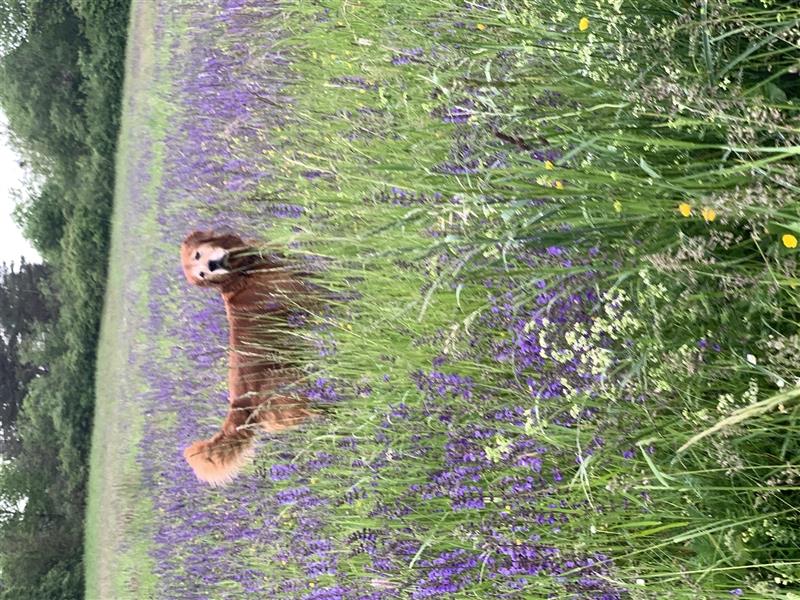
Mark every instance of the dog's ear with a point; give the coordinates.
(197, 237)
(228, 241)
(222, 239)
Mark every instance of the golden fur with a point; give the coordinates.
(255, 287)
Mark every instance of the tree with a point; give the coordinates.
(13, 24)
(26, 303)
(40, 85)
(39, 536)
(42, 220)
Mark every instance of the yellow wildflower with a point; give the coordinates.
(480, 26)
(583, 24)
(559, 185)
(618, 206)
(548, 165)
(709, 214)
(685, 209)
(789, 240)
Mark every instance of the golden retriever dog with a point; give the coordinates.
(259, 291)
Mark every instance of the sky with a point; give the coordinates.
(12, 244)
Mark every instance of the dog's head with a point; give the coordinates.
(211, 258)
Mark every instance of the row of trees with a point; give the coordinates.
(61, 69)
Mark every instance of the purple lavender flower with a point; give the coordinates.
(407, 56)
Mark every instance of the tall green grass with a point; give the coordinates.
(668, 140)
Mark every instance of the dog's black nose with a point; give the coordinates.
(213, 265)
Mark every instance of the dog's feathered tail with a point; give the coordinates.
(218, 460)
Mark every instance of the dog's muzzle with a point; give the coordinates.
(222, 263)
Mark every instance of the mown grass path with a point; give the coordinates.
(114, 476)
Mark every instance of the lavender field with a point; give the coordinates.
(559, 354)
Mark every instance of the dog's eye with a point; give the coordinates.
(197, 256)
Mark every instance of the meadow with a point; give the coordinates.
(559, 356)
